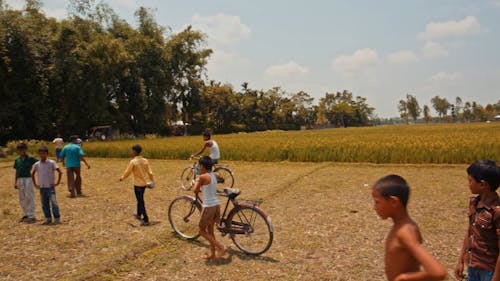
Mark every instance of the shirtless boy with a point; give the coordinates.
(404, 252)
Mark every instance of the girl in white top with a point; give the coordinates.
(207, 184)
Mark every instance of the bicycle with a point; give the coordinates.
(225, 177)
(248, 226)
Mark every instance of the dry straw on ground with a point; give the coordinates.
(325, 227)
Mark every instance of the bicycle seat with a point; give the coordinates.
(232, 192)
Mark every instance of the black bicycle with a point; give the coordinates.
(247, 225)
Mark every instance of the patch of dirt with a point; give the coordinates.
(324, 225)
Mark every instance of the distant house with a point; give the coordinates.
(497, 117)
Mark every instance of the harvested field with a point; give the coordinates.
(325, 226)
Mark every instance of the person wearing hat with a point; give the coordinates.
(72, 154)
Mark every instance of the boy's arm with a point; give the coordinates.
(496, 275)
(127, 171)
(202, 180)
(33, 177)
(85, 161)
(459, 268)
(433, 270)
(496, 220)
(58, 176)
(15, 178)
(201, 150)
(150, 172)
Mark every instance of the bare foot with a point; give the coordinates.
(222, 252)
(208, 257)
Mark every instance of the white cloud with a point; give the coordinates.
(357, 62)
(129, 4)
(445, 76)
(16, 4)
(224, 33)
(55, 13)
(495, 3)
(221, 59)
(403, 56)
(287, 70)
(222, 30)
(439, 30)
(433, 50)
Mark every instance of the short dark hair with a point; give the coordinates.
(393, 185)
(206, 162)
(207, 134)
(43, 149)
(22, 146)
(137, 148)
(73, 137)
(485, 170)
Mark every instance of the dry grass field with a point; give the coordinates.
(325, 226)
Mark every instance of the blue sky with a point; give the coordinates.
(380, 50)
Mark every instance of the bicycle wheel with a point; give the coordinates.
(252, 230)
(184, 215)
(224, 177)
(187, 177)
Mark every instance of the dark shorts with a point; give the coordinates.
(58, 153)
(477, 274)
(209, 216)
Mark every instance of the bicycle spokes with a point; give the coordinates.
(250, 230)
(191, 211)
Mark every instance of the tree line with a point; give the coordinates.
(61, 77)
(94, 68)
(457, 110)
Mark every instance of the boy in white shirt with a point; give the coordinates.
(45, 183)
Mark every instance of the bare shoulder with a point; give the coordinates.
(409, 232)
(204, 179)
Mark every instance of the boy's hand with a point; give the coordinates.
(15, 186)
(88, 166)
(459, 270)
(400, 277)
(37, 186)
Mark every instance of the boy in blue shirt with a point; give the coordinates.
(72, 154)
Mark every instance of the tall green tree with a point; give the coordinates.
(341, 109)
(403, 110)
(427, 113)
(441, 105)
(414, 109)
(187, 59)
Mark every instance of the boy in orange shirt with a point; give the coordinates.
(139, 167)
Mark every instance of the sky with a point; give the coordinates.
(381, 50)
